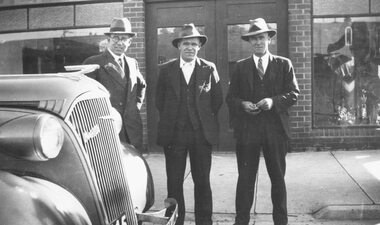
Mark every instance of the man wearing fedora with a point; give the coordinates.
(188, 98)
(122, 78)
(262, 89)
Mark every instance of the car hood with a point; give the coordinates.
(50, 92)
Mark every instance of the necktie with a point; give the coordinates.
(260, 68)
(120, 61)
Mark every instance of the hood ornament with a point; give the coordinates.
(94, 131)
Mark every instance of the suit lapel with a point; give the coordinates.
(271, 68)
(175, 74)
(200, 74)
(251, 69)
(113, 69)
(132, 72)
(200, 78)
(270, 71)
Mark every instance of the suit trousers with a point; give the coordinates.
(188, 140)
(274, 144)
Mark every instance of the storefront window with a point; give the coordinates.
(47, 51)
(165, 50)
(346, 78)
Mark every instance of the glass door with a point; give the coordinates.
(223, 22)
(164, 19)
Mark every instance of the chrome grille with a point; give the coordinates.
(92, 120)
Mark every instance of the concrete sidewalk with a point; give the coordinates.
(340, 187)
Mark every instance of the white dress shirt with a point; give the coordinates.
(187, 69)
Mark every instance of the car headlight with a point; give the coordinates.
(48, 137)
(36, 137)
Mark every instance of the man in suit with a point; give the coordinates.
(121, 76)
(262, 89)
(188, 98)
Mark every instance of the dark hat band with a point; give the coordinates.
(120, 26)
(254, 29)
(258, 26)
(117, 29)
(189, 31)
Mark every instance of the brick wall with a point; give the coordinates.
(134, 10)
(304, 136)
(300, 54)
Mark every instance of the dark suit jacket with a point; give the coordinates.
(284, 90)
(125, 96)
(209, 99)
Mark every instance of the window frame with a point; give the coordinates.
(331, 16)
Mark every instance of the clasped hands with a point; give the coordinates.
(254, 109)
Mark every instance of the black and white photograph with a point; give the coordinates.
(190, 112)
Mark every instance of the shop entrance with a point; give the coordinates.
(223, 21)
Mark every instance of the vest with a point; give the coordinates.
(187, 110)
(262, 89)
(123, 95)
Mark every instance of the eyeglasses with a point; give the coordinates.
(116, 39)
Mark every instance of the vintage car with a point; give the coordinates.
(61, 160)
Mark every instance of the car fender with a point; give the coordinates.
(34, 201)
(139, 178)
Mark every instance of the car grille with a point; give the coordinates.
(92, 120)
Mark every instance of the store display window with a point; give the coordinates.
(346, 75)
(48, 51)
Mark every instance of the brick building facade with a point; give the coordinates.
(316, 123)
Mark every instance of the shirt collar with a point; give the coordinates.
(265, 58)
(183, 62)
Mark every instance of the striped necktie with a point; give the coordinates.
(120, 61)
(260, 68)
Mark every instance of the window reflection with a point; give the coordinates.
(346, 84)
(239, 49)
(47, 51)
(165, 50)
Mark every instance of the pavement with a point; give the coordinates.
(324, 188)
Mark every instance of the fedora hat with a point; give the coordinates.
(189, 31)
(120, 26)
(258, 26)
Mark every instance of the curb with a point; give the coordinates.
(348, 212)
